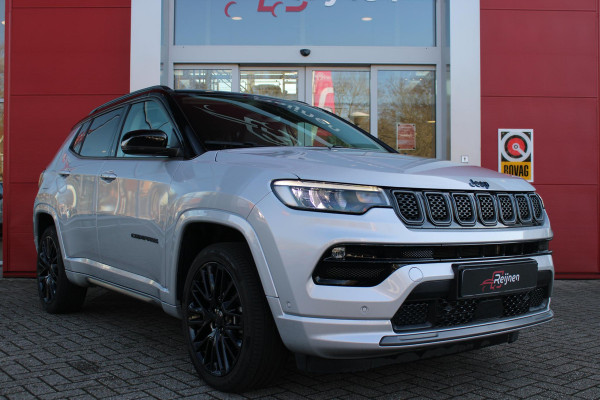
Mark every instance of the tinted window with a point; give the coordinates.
(78, 141)
(99, 137)
(251, 121)
(148, 115)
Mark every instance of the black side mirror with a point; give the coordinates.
(148, 142)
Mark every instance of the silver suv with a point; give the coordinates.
(268, 225)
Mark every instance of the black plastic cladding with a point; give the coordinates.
(434, 209)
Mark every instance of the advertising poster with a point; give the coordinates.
(406, 136)
(515, 152)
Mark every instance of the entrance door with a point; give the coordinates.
(395, 103)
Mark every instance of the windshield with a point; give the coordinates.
(253, 121)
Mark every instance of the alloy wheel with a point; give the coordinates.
(47, 269)
(214, 319)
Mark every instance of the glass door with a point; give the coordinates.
(285, 83)
(342, 91)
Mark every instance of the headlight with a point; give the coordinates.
(318, 196)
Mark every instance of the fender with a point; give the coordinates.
(43, 208)
(222, 218)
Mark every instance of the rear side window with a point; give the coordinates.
(76, 145)
(98, 139)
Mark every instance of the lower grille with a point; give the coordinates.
(441, 312)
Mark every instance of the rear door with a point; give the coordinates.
(77, 182)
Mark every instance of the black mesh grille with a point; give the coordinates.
(456, 312)
(537, 297)
(465, 212)
(523, 207)
(507, 212)
(438, 208)
(409, 208)
(412, 314)
(443, 313)
(536, 204)
(487, 211)
(352, 273)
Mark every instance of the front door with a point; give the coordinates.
(133, 201)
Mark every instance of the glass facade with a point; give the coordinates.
(406, 111)
(380, 64)
(310, 23)
(345, 93)
(204, 79)
(283, 84)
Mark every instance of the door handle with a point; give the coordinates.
(64, 173)
(108, 176)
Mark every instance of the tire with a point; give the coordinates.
(57, 294)
(224, 304)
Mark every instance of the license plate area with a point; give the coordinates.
(489, 279)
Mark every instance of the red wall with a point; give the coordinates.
(539, 70)
(63, 57)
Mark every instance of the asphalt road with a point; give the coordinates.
(122, 348)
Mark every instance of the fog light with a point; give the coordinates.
(338, 252)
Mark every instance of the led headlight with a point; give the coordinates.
(333, 197)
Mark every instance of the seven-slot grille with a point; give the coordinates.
(468, 209)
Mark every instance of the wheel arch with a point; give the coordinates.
(197, 229)
(43, 217)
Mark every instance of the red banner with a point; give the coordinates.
(323, 91)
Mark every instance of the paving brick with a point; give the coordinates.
(121, 348)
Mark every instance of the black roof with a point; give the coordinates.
(132, 95)
(168, 91)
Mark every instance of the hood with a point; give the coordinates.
(371, 168)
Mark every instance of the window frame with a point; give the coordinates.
(168, 113)
(88, 123)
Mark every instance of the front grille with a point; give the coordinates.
(487, 209)
(464, 208)
(453, 313)
(441, 312)
(409, 207)
(536, 205)
(412, 314)
(507, 209)
(523, 208)
(468, 209)
(437, 207)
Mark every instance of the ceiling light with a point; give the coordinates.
(367, 19)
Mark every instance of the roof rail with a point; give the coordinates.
(131, 95)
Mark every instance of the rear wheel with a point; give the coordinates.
(227, 323)
(57, 294)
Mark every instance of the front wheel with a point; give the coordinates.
(227, 323)
(57, 294)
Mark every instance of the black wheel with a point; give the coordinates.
(227, 323)
(57, 294)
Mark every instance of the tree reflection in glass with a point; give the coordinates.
(351, 95)
(407, 97)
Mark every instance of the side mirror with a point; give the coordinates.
(149, 142)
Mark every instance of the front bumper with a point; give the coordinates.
(355, 322)
(341, 338)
